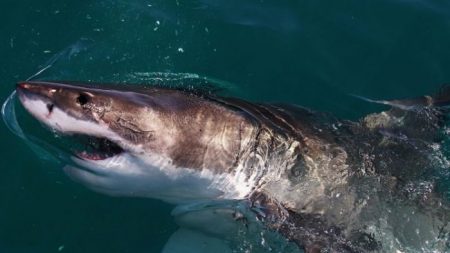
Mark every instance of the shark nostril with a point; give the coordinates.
(50, 107)
(23, 85)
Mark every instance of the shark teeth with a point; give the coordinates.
(91, 156)
(96, 148)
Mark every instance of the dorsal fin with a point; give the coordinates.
(419, 118)
(440, 99)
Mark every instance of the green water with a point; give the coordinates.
(312, 53)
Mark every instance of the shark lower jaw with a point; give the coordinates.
(85, 147)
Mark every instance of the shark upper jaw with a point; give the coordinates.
(97, 141)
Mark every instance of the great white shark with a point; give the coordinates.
(326, 184)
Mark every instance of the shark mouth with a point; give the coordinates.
(95, 148)
(81, 145)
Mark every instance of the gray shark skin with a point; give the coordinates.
(328, 185)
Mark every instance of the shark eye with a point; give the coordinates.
(82, 99)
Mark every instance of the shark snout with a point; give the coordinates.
(35, 89)
(23, 90)
(35, 98)
(22, 85)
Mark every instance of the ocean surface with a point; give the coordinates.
(311, 53)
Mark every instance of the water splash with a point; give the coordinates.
(37, 145)
(187, 81)
(9, 116)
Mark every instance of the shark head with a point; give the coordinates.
(146, 142)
